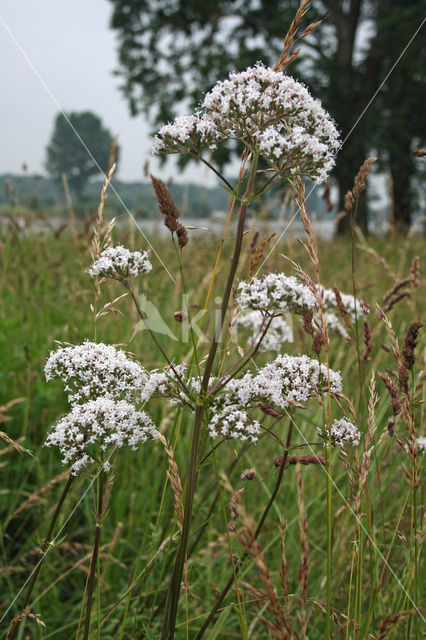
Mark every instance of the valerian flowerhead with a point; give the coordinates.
(271, 113)
(343, 432)
(120, 263)
(287, 381)
(92, 431)
(421, 444)
(275, 292)
(91, 370)
(279, 330)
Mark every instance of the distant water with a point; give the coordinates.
(204, 226)
(197, 226)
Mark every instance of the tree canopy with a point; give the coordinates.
(173, 51)
(66, 153)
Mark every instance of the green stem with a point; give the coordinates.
(95, 552)
(168, 629)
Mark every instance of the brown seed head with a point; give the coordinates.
(368, 341)
(270, 411)
(410, 344)
(182, 235)
(301, 460)
(415, 269)
(307, 323)
(396, 402)
(166, 203)
(342, 309)
(349, 201)
(361, 178)
(180, 316)
(248, 474)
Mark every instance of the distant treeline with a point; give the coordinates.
(37, 193)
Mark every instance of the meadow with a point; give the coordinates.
(239, 416)
(375, 537)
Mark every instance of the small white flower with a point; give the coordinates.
(275, 292)
(279, 330)
(102, 424)
(119, 262)
(342, 432)
(421, 444)
(91, 370)
(285, 381)
(273, 114)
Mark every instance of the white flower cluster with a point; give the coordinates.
(273, 114)
(99, 425)
(91, 370)
(275, 292)
(279, 330)
(421, 444)
(230, 421)
(285, 381)
(102, 381)
(278, 292)
(342, 432)
(119, 262)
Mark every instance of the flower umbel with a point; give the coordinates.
(271, 113)
(342, 432)
(99, 425)
(120, 263)
(91, 370)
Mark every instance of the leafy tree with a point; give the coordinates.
(66, 153)
(171, 51)
(400, 106)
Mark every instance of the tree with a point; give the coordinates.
(400, 106)
(66, 153)
(172, 52)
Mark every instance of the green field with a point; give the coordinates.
(375, 583)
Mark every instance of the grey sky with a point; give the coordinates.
(74, 52)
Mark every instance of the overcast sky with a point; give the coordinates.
(60, 54)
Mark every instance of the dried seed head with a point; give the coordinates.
(342, 308)
(232, 525)
(396, 402)
(403, 378)
(307, 323)
(180, 316)
(390, 426)
(395, 300)
(319, 340)
(361, 178)
(349, 202)
(166, 203)
(235, 502)
(248, 474)
(368, 341)
(182, 235)
(365, 307)
(305, 460)
(410, 344)
(270, 411)
(253, 243)
(415, 269)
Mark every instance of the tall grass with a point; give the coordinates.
(199, 534)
